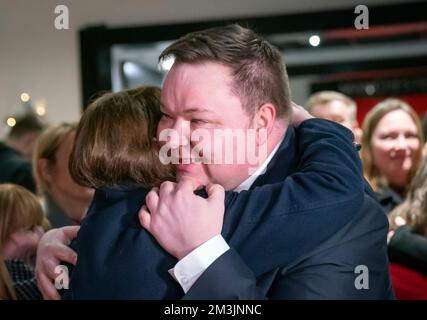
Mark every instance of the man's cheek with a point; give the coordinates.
(200, 140)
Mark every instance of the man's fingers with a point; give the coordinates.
(155, 189)
(66, 254)
(47, 288)
(39, 230)
(48, 268)
(216, 193)
(145, 218)
(70, 232)
(167, 187)
(188, 184)
(152, 200)
(299, 114)
(295, 105)
(298, 108)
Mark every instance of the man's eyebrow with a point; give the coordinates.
(188, 110)
(194, 110)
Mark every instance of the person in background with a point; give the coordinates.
(16, 151)
(65, 202)
(22, 224)
(424, 125)
(391, 150)
(335, 106)
(410, 218)
(413, 211)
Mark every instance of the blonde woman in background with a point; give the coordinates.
(22, 223)
(392, 144)
(391, 152)
(65, 202)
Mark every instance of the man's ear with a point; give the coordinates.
(264, 121)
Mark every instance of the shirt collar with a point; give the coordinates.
(246, 185)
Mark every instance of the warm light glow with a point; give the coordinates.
(25, 97)
(40, 107)
(41, 110)
(314, 40)
(11, 122)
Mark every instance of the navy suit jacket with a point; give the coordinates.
(300, 232)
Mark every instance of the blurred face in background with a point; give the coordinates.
(338, 111)
(60, 186)
(394, 145)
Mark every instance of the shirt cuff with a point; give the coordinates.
(191, 267)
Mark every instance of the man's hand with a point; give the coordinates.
(52, 249)
(299, 114)
(180, 220)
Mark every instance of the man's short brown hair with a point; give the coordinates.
(259, 73)
(115, 141)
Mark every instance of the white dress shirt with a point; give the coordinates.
(191, 267)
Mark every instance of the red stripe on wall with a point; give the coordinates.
(418, 102)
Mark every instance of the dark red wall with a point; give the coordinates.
(418, 102)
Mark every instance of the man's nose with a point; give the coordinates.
(180, 136)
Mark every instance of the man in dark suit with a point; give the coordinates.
(16, 151)
(302, 223)
(227, 78)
